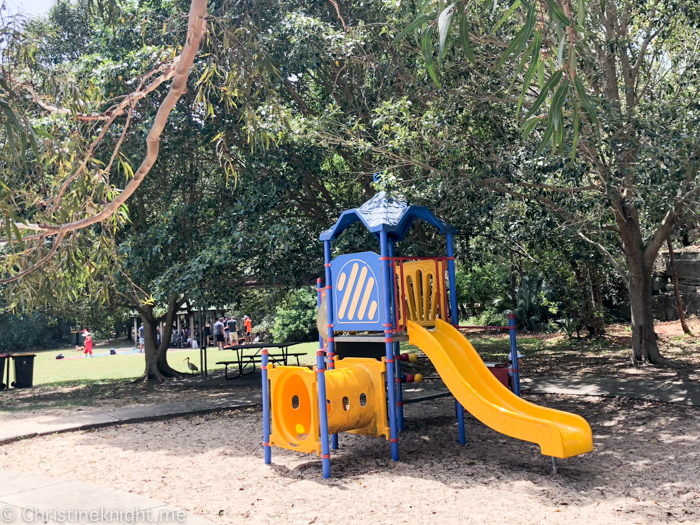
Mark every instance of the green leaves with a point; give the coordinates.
(581, 12)
(520, 41)
(534, 64)
(555, 121)
(464, 37)
(416, 24)
(557, 103)
(529, 126)
(576, 123)
(553, 81)
(427, 49)
(512, 47)
(585, 101)
(505, 17)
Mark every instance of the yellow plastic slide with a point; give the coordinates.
(559, 434)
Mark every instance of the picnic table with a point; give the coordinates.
(249, 355)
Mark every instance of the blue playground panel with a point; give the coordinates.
(357, 294)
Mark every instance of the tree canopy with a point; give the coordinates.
(559, 137)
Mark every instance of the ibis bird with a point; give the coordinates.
(191, 366)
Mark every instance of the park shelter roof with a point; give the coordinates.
(386, 213)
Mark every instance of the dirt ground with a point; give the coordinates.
(555, 355)
(644, 469)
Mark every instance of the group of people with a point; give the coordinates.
(226, 331)
(175, 337)
(184, 336)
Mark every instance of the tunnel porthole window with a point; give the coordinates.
(295, 402)
(346, 403)
(363, 400)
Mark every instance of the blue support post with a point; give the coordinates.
(321, 365)
(329, 315)
(452, 280)
(397, 344)
(389, 342)
(514, 355)
(319, 289)
(454, 316)
(460, 423)
(323, 412)
(266, 408)
(320, 293)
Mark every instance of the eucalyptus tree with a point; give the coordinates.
(54, 183)
(605, 94)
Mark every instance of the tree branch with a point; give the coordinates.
(117, 109)
(603, 250)
(195, 33)
(58, 240)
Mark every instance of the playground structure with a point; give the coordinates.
(380, 300)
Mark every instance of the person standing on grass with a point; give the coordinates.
(233, 331)
(207, 333)
(88, 344)
(219, 333)
(142, 341)
(248, 329)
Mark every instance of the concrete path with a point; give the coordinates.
(33, 498)
(667, 392)
(40, 426)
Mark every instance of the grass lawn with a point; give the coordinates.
(107, 381)
(49, 370)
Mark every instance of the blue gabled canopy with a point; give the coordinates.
(390, 214)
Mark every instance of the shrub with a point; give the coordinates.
(296, 318)
(480, 286)
(21, 332)
(489, 317)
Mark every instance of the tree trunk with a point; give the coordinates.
(640, 264)
(157, 367)
(676, 289)
(644, 345)
(151, 348)
(591, 318)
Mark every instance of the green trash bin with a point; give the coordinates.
(24, 370)
(3, 358)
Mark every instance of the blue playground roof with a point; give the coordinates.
(390, 214)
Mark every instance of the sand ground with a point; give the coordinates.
(645, 469)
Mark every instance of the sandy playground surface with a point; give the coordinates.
(645, 469)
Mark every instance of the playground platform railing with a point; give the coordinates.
(438, 292)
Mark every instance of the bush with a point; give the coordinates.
(536, 302)
(296, 318)
(479, 287)
(29, 331)
(264, 327)
(489, 317)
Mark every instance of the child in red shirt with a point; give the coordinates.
(88, 344)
